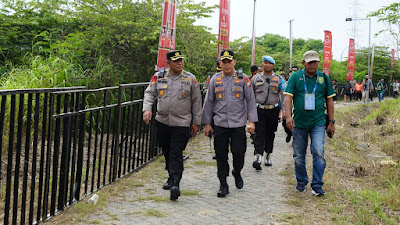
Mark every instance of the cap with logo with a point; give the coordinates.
(267, 58)
(310, 56)
(227, 54)
(174, 55)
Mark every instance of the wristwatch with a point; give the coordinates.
(332, 121)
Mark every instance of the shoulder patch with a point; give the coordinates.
(248, 83)
(196, 84)
(153, 81)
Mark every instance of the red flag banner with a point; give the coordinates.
(327, 55)
(351, 61)
(168, 33)
(224, 25)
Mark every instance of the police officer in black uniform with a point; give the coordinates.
(178, 103)
(229, 102)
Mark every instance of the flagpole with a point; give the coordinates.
(290, 43)
(253, 50)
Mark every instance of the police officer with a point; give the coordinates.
(205, 89)
(229, 101)
(268, 88)
(206, 84)
(178, 102)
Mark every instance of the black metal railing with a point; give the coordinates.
(58, 146)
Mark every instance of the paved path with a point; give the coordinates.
(261, 201)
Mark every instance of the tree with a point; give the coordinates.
(390, 17)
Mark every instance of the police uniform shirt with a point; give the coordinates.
(268, 88)
(206, 84)
(178, 98)
(227, 98)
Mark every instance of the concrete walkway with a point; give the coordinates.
(261, 201)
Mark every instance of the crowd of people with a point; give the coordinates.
(364, 90)
(235, 103)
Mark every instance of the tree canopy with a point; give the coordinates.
(96, 43)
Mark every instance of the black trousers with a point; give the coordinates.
(265, 130)
(237, 139)
(173, 141)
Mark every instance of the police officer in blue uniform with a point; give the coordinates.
(229, 102)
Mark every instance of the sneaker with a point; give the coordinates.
(300, 187)
(257, 162)
(268, 161)
(317, 191)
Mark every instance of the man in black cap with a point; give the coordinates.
(229, 102)
(178, 103)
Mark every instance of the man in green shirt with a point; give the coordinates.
(309, 90)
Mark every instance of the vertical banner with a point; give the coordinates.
(224, 25)
(168, 33)
(391, 74)
(351, 60)
(327, 55)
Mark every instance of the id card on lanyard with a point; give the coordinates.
(309, 99)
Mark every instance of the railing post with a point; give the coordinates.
(117, 146)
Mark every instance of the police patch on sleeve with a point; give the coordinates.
(196, 84)
(153, 81)
(248, 83)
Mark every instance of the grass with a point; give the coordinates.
(359, 189)
(205, 163)
(150, 213)
(153, 198)
(190, 192)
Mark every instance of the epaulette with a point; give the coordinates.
(240, 73)
(161, 73)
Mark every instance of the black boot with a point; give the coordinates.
(238, 179)
(175, 192)
(224, 188)
(168, 184)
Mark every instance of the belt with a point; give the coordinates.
(267, 106)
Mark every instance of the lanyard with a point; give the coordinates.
(305, 84)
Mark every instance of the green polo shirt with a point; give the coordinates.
(295, 88)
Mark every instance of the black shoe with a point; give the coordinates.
(223, 191)
(288, 137)
(238, 179)
(168, 184)
(175, 192)
(215, 156)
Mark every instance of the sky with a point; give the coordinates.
(310, 19)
